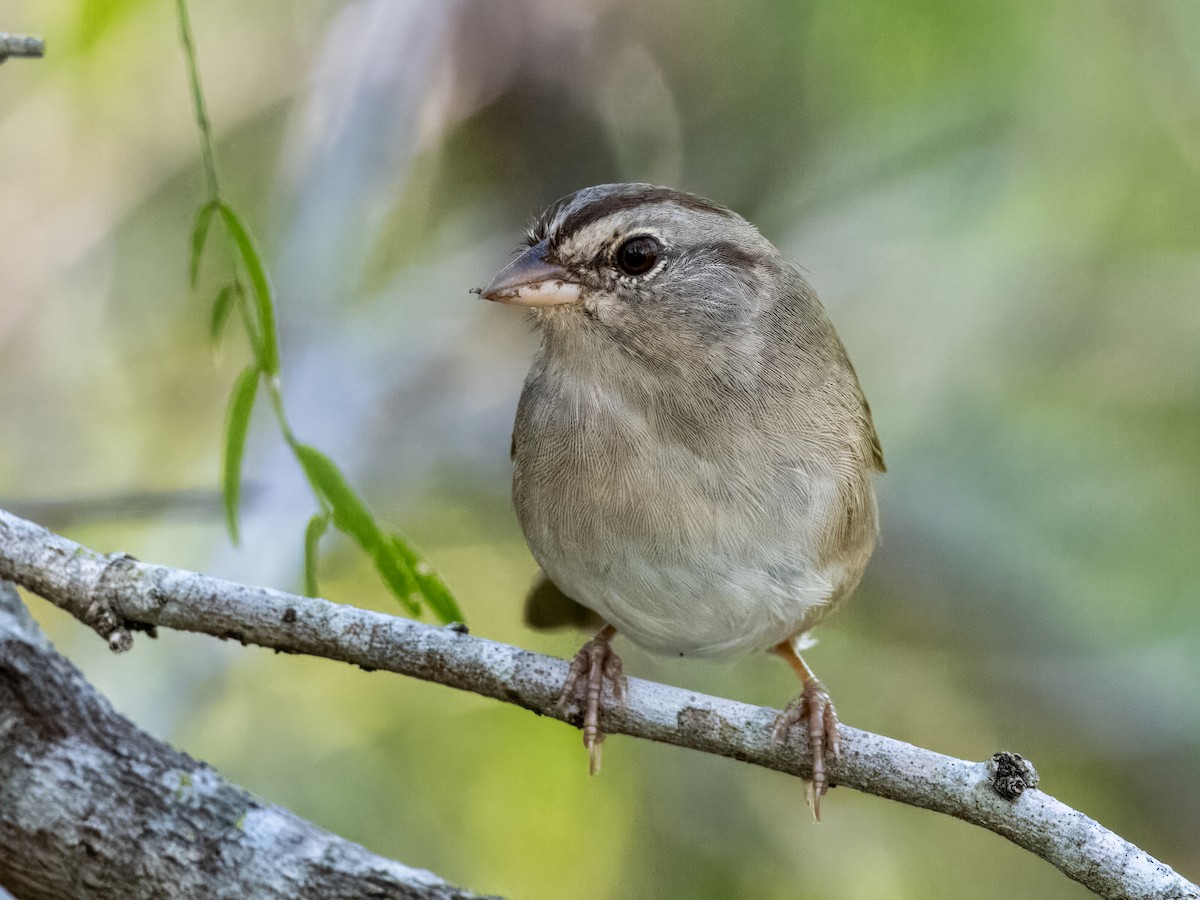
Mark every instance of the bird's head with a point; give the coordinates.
(663, 274)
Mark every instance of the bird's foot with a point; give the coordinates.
(595, 662)
(814, 710)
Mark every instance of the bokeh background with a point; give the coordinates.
(999, 204)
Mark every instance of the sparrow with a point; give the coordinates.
(692, 452)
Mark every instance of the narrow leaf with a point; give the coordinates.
(317, 526)
(237, 423)
(260, 287)
(220, 310)
(430, 583)
(351, 516)
(199, 236)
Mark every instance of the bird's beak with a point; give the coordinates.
(529, 280)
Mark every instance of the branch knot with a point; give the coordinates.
(101, 614)
(1011, 774)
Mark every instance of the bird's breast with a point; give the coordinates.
(690, 536)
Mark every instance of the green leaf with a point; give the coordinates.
(317, 526)
(220, 310)
(199, 236)
(437, 594)
(351, 516)
(260, 286)
(237, 423)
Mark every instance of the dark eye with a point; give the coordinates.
(637, 255)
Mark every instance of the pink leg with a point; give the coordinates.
(595, 662)
(814, 709)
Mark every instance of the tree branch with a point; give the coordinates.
(20, 45)
(80, 787)
(116, 595)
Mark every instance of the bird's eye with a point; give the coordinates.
(638, 255)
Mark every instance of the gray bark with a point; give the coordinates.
(116, 595)
(92, 807)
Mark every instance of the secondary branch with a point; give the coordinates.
(92, 807)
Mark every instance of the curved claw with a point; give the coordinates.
(814, 708)
(595, 662)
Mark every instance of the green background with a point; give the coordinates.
(999, 204)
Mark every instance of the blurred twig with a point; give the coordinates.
(21, 45)
(195, 834)
(116, 594)
(66, 512)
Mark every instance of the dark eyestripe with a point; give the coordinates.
(735, 257)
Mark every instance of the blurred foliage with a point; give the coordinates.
(998, 203)
(410, 578)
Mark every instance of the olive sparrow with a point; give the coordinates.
(692, 451)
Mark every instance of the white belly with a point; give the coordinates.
(700, 610)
